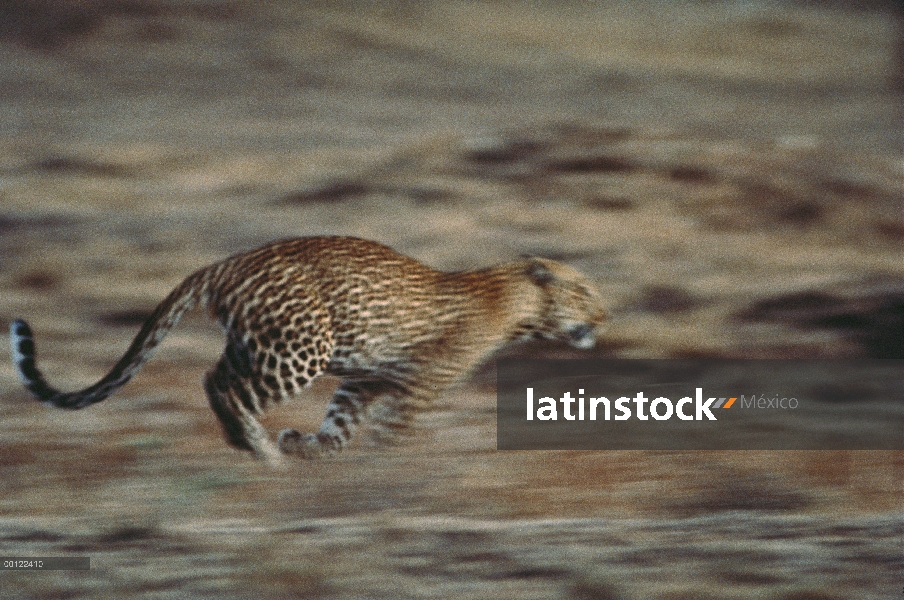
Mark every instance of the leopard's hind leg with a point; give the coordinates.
(233, 401)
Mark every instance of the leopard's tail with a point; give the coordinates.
(164, 318)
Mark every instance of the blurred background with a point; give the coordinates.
(730, 173)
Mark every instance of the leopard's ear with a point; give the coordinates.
(539, 271)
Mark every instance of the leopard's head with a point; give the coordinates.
(573, 309)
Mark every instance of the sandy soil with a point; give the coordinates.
(730, 174)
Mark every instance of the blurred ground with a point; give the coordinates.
(730, 173)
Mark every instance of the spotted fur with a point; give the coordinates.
(386, 324)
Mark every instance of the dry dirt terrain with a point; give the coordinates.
(729, 173)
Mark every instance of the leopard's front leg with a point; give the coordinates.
(342, 419)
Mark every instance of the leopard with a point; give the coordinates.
(387, 326)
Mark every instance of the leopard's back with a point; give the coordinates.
(339, 305)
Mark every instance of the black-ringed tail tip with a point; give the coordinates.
(387, 325)
(22, 347)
